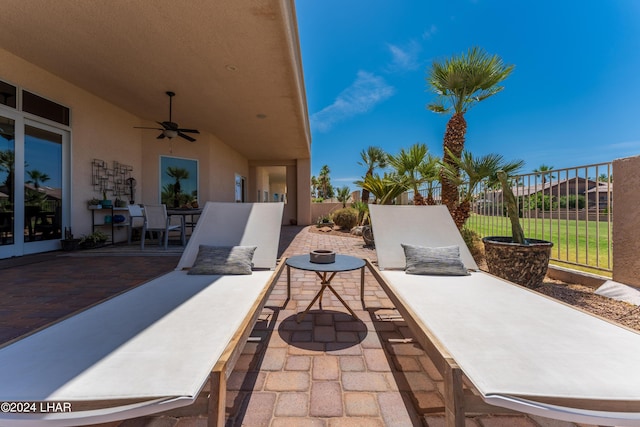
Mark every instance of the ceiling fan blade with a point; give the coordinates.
(189, 130)
(165, 125)
(187, 137)
(161, 136)
(142, 127)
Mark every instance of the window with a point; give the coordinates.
(240, 189)
(41, 107)
(8, 94)
(179, 181)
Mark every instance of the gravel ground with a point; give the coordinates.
(583, 297)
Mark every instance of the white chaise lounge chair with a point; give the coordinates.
(517, 348)
(155, 347)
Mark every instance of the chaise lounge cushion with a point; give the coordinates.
(440, 261)
(223, 260)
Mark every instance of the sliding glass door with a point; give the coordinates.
(7, 183)
(34, 186)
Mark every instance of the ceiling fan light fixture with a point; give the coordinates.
(169, 128)
(170, 133)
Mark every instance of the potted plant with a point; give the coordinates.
(93, 240)
(516, 258)
(106, 203)
(324, 221)
(69, 243)
(94, 203)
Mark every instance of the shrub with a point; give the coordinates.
(572, 202)
(363, 212)
(474, 243)
(346, 218)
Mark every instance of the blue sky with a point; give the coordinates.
(572, 99)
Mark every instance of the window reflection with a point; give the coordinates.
(179, 182)
(7, 175)
(43, 185)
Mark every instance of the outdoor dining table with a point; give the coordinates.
(183, 213)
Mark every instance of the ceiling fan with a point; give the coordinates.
(169, 128)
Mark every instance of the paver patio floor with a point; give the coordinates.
(330, 370)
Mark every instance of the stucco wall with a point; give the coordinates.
(104, 131)
(318, 210)
(98, 130)
(626, 224)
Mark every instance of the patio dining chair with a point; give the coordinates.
(156, 220)
(136, 220)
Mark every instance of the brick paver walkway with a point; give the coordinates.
(330, 370)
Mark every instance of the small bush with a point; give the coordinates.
(345, 218)
(323, 220)
(474, 243)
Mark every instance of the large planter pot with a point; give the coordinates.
(525, 265)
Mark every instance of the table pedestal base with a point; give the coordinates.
(326, 283)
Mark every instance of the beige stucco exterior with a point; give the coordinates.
(241, 86)
(626, 222)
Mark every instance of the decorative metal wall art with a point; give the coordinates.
(111, 180)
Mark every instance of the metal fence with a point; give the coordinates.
(571, 207)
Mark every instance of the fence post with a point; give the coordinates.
(626, 221)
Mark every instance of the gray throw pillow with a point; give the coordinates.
(223, 260)
(442, 261)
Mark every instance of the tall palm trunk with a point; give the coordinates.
(366, 193)
(454, 143)
(461, 213)
(418, 200)
(430, 200)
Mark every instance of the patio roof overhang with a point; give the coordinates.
(235, 66)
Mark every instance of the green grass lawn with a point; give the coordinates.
(585, 243)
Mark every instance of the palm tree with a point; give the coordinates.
(177, 174)
(344, 194)
(385, 189)
(542, 172)
(603, 177)
(460, 83)
(409, 164)
(7, 165)
(324, 181)
(372, 158)
(36, 177)
(430, 172)
(474, 171)
(314, 186)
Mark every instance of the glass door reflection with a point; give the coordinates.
(42, 185)
(7, 180)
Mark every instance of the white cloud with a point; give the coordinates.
(349, 180)
(362, 96)
(429, 32)
(404, 58)
(625, 145)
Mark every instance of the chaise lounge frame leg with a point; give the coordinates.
(453, 395)
(217, 399)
